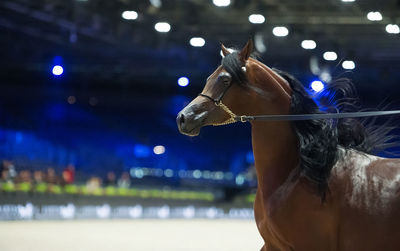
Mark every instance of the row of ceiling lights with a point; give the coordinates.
(279, 31)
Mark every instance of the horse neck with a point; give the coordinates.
(275, 153)
(274, 143)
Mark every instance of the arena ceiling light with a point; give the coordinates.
(183, 81)
(348, 1)
(57, 70)
(317, 85)
(156, 3)
(162, 27)
(348, 65)
(308, 44)
(392, 29)
(256, 19)
(374, 16)
(159, 149)
(129, 15)
(330, 56)
(280, 31)
(197, 42)
(221, 3)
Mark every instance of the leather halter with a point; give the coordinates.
(218, 102)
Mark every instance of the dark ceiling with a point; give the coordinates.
(101, 51)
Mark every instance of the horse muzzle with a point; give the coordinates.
(189, 122)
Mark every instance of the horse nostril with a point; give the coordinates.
(182, 119)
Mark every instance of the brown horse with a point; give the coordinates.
(318, 186)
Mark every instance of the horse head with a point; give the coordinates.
(241, 85)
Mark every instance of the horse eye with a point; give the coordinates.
(226, 80)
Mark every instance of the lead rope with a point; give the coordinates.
(296, 117)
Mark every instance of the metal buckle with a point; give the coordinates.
(243, 119)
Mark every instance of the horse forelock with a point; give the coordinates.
(232, 64)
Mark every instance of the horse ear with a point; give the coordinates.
(224, 50)
(246, 51)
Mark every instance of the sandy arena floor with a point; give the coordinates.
(133, 235)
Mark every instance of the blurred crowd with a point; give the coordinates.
(11, 175)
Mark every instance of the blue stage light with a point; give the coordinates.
(317, 85)
(183, 81)
(57, 70)
(141, 151)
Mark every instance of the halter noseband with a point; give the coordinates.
(218, 102)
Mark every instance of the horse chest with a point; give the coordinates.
(295, 221)
(268, 225)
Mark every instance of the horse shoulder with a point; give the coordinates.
(366, 189)
(367, 182)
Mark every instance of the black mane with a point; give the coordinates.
(319, 140)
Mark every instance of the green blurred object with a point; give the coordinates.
(98, 191)
(23, 187)
(110, 191)
(123, 191)
(8, 187)
(94, 191)
(71, 189)
(56, 189)
(251, 198)
(84, 190)
(41, 187)
(144, 194)
(174, 195)
(133, 192)
(156, 193)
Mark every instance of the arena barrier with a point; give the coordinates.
(36, 206)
